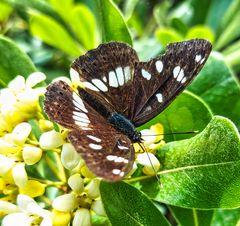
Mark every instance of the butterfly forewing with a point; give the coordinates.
(158, 82)
(108, 153)
(107, 73)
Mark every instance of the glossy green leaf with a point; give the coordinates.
(111, 22)
(125, 205)
(201, 32)
(226, 217)
(129, 8)
(202, 172)
(5, 11)
(230, 33)
(84, 26)
(186, 113)
(167, 35)
(51, 32)
(193, 217)
(63, 6)
(218, 87)
(232, 54)
(13, 62)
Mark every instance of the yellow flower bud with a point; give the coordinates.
(33, 189)
(158, 129)
(65, 203)
(76, 183)
(6, 164)
(45, 125)
(51, 140)
(31, 154)
(60, 218)
(8, 147)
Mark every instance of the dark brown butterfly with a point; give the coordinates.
(120, 94)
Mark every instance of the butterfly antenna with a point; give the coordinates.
(155, 172)
(163, 134)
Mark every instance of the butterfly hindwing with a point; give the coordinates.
(107, 153)
(158, 82)
(107, 73)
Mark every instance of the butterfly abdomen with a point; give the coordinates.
(125, 126)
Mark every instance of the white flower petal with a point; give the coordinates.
(35, 78)
(21, 132)
(150, 166)
(6, 164)
(97, 207)
(7, 97)
(6, 207)
(19, 175)
(82, 218)
(17, 84)
(51, 140)
(65, 203)
(69, 157)
(29, 96)
(76, 183)
(31, 154)
(75, 77)
(47, 221)
(14, 219)
(93, 188)
(23, 201)
(148, 136)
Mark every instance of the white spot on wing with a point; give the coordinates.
(198, 58)
(90, 86)
(146, 74)
(116, 171)
(95, 146)
(77, 101)
(81, 124)
(159, 97)
(127, 73)
(184, 79)
(159, 65)
(122, 147)
(121, 174)
(176, 71)
(100, 85)
(120, 76)
(180, 75)
(94, 138)
(202, 60)
(112, 79)
(80, 119)
(104, 79)
(111, 157)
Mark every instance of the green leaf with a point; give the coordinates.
(5, 10)
(215, 13)
(51, 32)
(226, 217)
(84, 25)
(129, 7)
(187, 113)
(167, 35)
(232, 54)
(230, 33)
(111, 22)
(194, 217)
(13, 62)
(125, 205)
(202, 172)
(218, 87)
(201, 32)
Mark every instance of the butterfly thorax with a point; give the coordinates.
(119, 122)
(125, 126)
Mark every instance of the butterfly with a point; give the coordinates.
(120, 93)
